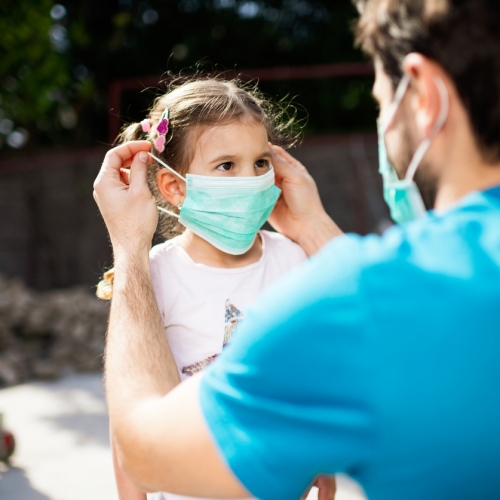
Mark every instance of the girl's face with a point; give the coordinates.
(237, 149)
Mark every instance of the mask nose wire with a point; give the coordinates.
(444, 99)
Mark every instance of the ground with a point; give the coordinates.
(62, 437)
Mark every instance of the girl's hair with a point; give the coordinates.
(195, 104)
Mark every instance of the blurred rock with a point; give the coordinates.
(44, 334)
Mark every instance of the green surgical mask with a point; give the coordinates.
(227, 212)
(402, 195)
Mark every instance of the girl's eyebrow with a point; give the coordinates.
(265, 154)
(223, 158)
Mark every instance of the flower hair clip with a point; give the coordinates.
(162, 129)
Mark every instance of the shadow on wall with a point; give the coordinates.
(52, 235)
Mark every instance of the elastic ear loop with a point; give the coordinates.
(393, 108)
(161, 209)
(440, 121)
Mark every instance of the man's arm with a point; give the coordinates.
(161, 438)
(126, 490)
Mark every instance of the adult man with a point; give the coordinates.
(379, 357)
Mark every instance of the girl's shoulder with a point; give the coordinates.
(165, 250)
(280, 247)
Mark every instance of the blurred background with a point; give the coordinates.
(71, 74)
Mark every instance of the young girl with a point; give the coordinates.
(212, 176)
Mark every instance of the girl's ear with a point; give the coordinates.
(171, 187)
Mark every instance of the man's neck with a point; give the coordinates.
(478, 177)
(203, 252)
(463, 167)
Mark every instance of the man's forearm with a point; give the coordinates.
(139, 364)
(317, 234)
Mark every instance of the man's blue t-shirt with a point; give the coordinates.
(380, 358)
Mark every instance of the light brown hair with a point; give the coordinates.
(194, 104)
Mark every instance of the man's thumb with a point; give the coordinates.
(139, 170)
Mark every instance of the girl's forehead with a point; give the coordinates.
(241, 134)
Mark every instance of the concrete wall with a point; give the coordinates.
(51, 233)
(52, 236)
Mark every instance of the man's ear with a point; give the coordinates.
(171, 187)
(426, 104)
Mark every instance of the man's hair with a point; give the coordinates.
(462, 36)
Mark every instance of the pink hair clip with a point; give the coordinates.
(162, 129)
(160, 143)
(146, 125)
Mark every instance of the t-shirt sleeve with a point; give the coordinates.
(288, 399)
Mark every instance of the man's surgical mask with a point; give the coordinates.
(227, 212)
(402, 196)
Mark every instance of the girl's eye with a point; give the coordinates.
(226, 167)
(262, 164)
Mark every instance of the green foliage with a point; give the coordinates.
(58, 89)
(29, 67)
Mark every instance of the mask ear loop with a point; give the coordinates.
(441, 120)
(161, 209)
(393, 108)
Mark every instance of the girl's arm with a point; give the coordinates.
(126, 490)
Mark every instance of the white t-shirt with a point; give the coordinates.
(201, 305)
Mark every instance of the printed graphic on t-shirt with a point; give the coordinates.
(232, 317)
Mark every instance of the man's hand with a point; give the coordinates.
(299, 213)
(128, 208)
(159, 435)
(327, 487)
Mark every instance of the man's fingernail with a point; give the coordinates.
(143, 157)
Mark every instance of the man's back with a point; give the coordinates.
(388, 369)
(438, 336)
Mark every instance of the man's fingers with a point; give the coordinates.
(138, 177)
(123, 155)
(283, 156)
(278, 160)
(115, 159)
(327, 487)
(125, 175)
